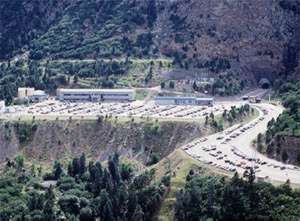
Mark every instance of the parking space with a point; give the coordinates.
(54, 107)
(232, 150)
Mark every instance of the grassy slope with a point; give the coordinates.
(133, 77)
(179, 163)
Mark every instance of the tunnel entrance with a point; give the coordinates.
(264, 83)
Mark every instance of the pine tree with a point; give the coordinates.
(138, 214)
(151, 12)
(82, 164)
(107, 213)
(76, 166)
(48, 210)
(113, 166)
(57, 170)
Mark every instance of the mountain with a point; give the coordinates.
(253, 38)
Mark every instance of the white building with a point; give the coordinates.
(24, 92)
(30, 94)
(2, 106)
(38, 96)
(95, 94)
(184, 101)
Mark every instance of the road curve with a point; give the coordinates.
(237, 153)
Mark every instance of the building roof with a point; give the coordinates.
(184, 98)
(88, 90)
(25, 88)
(39, 93)
(204, 98)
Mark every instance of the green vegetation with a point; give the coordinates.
(31, 74)
(116, 28)
(76, 30)
(286, 126)
(214, 198)
(49, 75)
(229, 117)
(177, 166)
(154, 158)
(85, 191)
(289, 122)
(228, 84)
(25, 131)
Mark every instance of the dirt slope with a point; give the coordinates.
(50, 140)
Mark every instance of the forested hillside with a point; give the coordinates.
(22, 21)
(170, 45)
(252, 38)
(85, 191)
(282, 138)
(213, 198)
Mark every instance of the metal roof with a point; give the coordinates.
(39, 93)
(66, 90)
(184, 98)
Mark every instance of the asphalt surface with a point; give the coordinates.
(238, 153)
(53, 108)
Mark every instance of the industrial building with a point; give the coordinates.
(95, 94)
(184, 101)
(31, 95)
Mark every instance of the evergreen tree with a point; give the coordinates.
(151, 12)
(48, 210)
(82, 164)
(86, 214)
(138, 214)
(57, 170)
(113, 166)
(107, 213)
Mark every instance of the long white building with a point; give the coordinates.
(95, 94)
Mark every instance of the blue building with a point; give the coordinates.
(160, 100)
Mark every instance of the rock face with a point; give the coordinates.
(254, 38)
(52, 140)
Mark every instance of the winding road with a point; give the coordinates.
(232, 150)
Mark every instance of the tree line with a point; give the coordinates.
(81, 191)
(239, 198)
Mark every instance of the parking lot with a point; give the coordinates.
(131, 109)
(232, 150)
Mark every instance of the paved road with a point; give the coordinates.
(237, 153)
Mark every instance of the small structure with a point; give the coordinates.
(24, 92)
(31, 95)
(2, 106)
(38, 96)
(254, 99)
(95, 94)
(160, 100)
